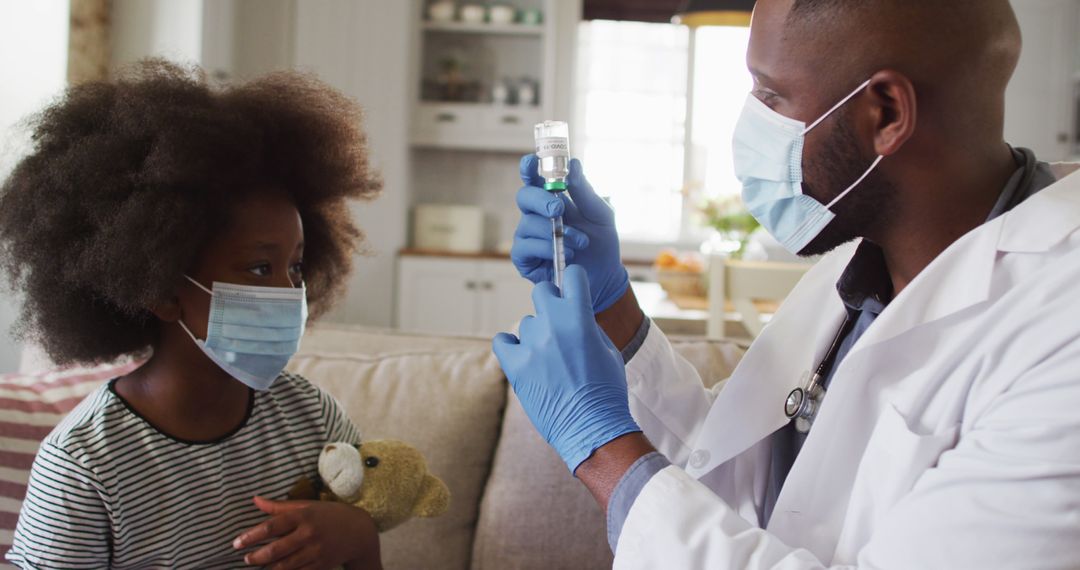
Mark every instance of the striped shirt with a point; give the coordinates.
(109, 490)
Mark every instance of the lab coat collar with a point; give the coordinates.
(1039, 224)
(962, 275)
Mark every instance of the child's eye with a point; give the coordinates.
(262, 269)
(297, 268)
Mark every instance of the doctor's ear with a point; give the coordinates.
(895, 109)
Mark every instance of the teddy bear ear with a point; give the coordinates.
(433, 499)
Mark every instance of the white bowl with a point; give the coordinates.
(442, 11)
(500, 14)
(473, 13)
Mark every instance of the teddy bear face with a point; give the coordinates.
(394, 477)
(342, 471)
(388, 479)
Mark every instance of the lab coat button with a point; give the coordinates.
(699, 458)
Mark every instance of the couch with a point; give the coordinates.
(514, 504)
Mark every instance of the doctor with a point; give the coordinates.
(937, 423)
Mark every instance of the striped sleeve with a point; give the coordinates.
(338, 425)
(64, 522)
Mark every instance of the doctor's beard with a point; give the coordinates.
(866, 209)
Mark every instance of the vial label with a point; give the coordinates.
(548, 147)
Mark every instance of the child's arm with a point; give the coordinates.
(64, 522)
(338, 425)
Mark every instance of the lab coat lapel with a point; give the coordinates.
(751, 405)
(959, 279)
(961, 276)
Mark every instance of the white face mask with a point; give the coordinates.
(768, 149)
(252, 332)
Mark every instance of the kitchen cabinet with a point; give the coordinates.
(460, 296)
(483, 85)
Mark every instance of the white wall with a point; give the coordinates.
(1040, 110)
(363, 48)
(164, 28)
(243, 39)
(33, 63)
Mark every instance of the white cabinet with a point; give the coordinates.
(460, 296)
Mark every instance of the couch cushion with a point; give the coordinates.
(446, 398)
(30, 407)
(535, 515)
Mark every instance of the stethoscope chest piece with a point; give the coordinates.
(802, 403)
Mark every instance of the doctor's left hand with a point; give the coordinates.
(568, 375)
(312, 535)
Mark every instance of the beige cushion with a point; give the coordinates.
(353, 339)
(535, 515)
(448, 401)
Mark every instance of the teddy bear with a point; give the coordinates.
(387, 478)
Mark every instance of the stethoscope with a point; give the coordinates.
(803, 402)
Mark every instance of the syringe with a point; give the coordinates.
(553, 150)
(559, 257)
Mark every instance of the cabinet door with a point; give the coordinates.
(506, 297)
(437, 296)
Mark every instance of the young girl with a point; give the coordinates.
(158, 215)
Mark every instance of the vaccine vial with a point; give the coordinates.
(553, 150)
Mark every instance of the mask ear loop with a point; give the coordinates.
(856, 184)
(199, 285)
(181, 321)
(838, 105)
(829, 113)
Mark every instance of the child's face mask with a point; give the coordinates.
(252, 332)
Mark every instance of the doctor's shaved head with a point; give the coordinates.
(960, 54)
(935, 107)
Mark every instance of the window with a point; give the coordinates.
(657, 107)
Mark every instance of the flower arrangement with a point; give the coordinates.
(729, 217)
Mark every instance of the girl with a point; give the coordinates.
(157, 215)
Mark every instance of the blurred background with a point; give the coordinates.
(452, 88)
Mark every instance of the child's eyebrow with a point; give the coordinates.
(269, 246)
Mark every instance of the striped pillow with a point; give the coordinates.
(30, 406)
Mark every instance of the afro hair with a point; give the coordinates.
(128, 180)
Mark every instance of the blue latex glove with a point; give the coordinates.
(568, 375)
(590, 239)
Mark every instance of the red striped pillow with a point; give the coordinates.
(30, 407)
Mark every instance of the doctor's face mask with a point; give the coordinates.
(768, 152)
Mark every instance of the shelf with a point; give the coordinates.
(485, 28)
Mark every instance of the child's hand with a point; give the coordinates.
(312, 535)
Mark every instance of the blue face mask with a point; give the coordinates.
(768, 150)
(252, 331)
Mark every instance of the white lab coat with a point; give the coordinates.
(950, 437)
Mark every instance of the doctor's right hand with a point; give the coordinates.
(590, 240)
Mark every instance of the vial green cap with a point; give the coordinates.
(554, 186)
